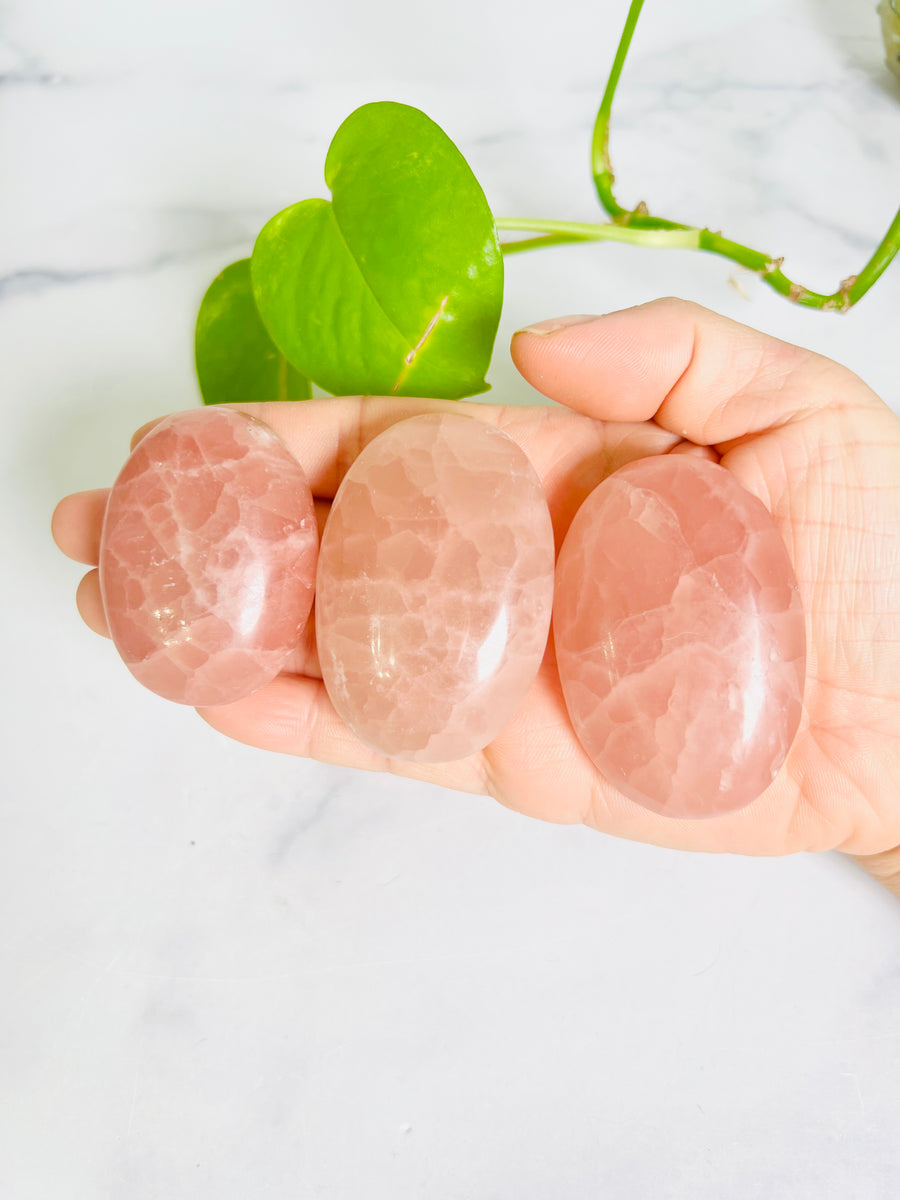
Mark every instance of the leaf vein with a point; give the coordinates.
(364, 277)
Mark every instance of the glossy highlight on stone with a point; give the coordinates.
(208, 557)
(435, 588)
(680, 636)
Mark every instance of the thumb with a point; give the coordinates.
(695, 373)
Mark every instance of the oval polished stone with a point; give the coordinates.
(680, 636)
(208, 557)
(435, 588)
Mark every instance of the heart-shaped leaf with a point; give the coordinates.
(395, 285)
(236, 359)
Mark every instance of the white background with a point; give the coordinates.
(238, 976)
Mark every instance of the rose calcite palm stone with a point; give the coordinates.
(680, 636)
(208, 557)
(435, 588)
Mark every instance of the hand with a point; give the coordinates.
(799, 431)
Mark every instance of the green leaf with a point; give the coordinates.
(395, 285)
(236, 359)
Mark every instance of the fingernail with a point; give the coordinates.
(551, 326)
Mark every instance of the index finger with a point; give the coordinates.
(570, 453)
(325, 435)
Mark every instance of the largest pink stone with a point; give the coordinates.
(434, 588)
(680, 636)
(208, 557)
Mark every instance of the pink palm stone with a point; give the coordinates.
(680, 636)
(208, 557)
(435, 588)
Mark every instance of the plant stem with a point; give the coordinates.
(557, 233)
(603, 175)
(639, 219)
(572, 231)
(878, 263)
(536, 243)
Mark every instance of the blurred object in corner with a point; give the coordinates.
(890, 27)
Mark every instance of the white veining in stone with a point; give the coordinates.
(434, 588)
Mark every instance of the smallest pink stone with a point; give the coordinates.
(208, 557)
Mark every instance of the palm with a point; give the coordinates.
(831, 480)
(807, 437)
(836, 507)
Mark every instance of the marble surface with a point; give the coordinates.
(230, 975)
